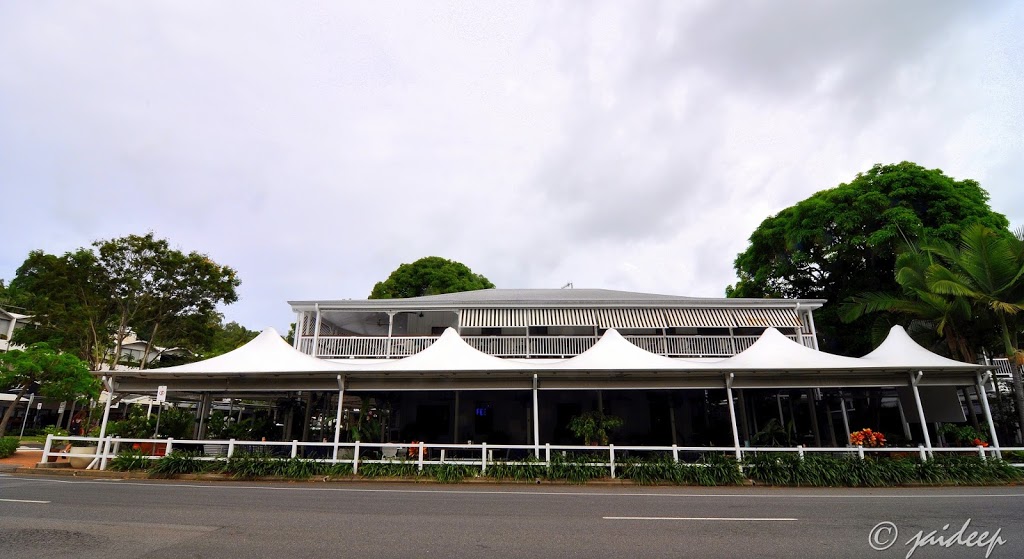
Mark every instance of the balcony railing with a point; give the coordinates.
(529, 346)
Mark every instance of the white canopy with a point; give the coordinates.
(615, 353)
(266, 353)
(449, 353)
(900, 351)
(775, 352)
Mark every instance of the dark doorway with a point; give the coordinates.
(433, 422)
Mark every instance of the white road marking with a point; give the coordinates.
(24, 501)
(725, 518)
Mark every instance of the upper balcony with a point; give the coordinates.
(340, 347)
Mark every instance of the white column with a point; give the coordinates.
(337, 421)
(903, 418)
(108, 383)
(914, 379)
(316, 334)
(536, 420)
(296, 343)
(391, 329)
(732, 416)
(983, 396)
(846, 417)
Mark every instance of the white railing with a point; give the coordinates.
(529, 346)
(560, 346)
(480, 454)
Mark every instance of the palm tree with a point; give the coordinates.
(987, 268)
(948, 316)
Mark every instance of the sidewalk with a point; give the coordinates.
(23, 458)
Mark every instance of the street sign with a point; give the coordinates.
(62, 407)
(39, 406)
(161, 393)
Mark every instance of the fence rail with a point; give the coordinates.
(479, 455)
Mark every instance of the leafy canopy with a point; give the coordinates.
(843, 241)
(89, 300)
(432, 275)
(58, 375)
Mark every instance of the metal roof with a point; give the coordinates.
(550, 298)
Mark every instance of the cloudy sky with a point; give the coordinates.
(315, 147)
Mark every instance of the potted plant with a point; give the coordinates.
(593, 427)
(86, 449)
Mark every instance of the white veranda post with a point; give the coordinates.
(732, 416)
(536, 420)
(108, 384)
(914, 379)
(983, 396)
(337, 420)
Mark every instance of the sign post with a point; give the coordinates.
(161, 397)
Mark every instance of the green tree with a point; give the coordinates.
(950, 318)
(843, 242)
(987, 267)
(89, 300)
(228, 337)
(431, 275)
(69, 302)
(59, 375)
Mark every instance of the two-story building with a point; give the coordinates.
(543, 326)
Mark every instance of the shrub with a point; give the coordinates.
(400, 468)
(528, 469)
(8, 446)
(180, 462)
(574, 469)
(130, 460)
(449, 473)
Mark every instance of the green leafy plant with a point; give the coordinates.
(574, 469)
(129, 460)
(400, 468)
(450, 473)
(594, 427)
(529, 469)
(8, 446)
(180, 462)
(963, 435)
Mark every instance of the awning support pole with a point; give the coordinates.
(108, 384)
(337, 420)
(846, 417)
(536, 419)
(914, 379)
(903, 418)
(983, 397)
(732, 416)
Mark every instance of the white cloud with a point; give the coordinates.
(317, 147)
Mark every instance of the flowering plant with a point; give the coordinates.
(867, 437)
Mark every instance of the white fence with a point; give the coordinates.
(479, 455)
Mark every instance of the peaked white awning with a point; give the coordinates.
(615, 353)
(449, 353)
(775, 352)
(900, 351)
(266, 353)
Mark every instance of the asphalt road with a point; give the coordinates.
(62, 517)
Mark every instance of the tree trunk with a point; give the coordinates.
(149, 346)
(10, 411)
(1018, 393)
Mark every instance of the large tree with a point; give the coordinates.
(58, 375)
(987, 267)
(843, 241)
(89, 300)
(431, 275)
